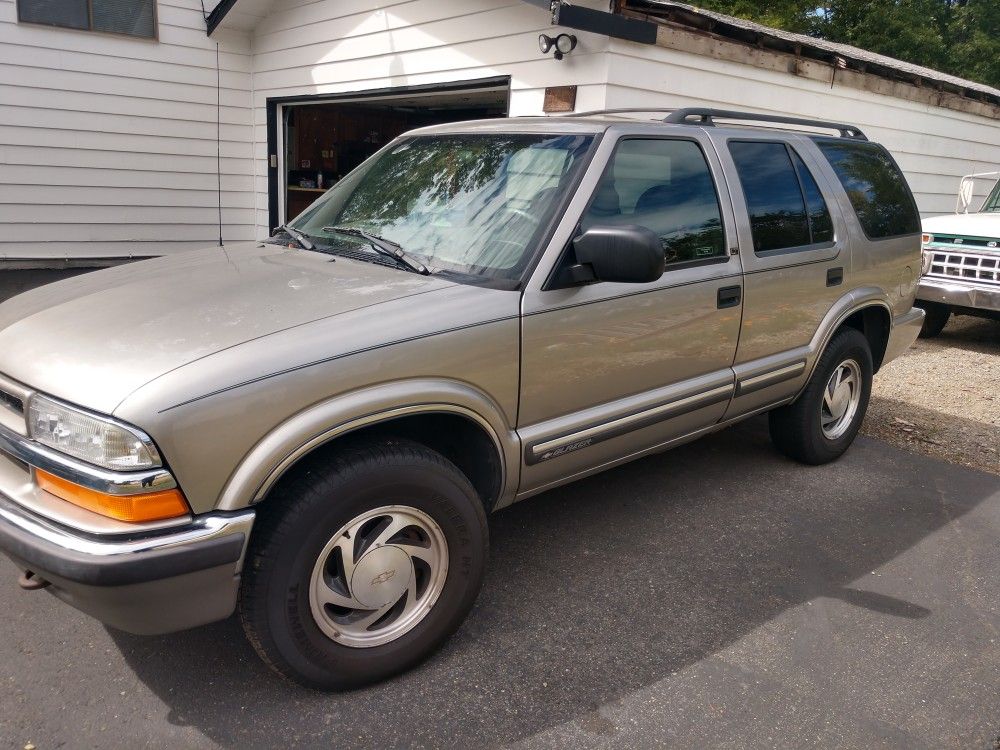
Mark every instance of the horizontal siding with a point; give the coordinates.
(108, 144)
(934, 146)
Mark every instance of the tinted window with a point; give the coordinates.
(774, 198)
(820, 223)
(665, 186)
(132, 17)
(877, 189)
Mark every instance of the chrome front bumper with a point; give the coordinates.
(959, 294)
(155, 583)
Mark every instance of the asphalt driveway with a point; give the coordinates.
(714, 596)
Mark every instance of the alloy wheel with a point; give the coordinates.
(378, 576)
(841, 398)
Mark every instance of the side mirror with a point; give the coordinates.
(627, 253)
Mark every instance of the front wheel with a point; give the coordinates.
(361, 566)
(823, 422)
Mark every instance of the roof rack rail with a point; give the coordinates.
(706, 116)
(620, 111)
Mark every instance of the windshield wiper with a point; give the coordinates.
(296, 235)
(385, 247)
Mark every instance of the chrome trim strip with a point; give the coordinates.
(765, 379)
(200, 529)
(78, 472)
(606, 430)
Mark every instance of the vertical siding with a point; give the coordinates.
(934, 146)
(335, 46)
(108, 143)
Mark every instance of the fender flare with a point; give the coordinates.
(287, 442)
(852, 302)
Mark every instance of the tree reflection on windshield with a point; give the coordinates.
(474, 203)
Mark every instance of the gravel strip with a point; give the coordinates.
(942, 398)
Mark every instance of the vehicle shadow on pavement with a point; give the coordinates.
(596, 590)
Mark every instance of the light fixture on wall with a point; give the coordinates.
(562, 44)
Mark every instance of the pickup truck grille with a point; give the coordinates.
(968, 266)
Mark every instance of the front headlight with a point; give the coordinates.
(93, 439)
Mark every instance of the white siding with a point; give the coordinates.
(934, 146)
(334, 46)
(108, 143)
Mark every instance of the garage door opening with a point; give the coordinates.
(323, 140)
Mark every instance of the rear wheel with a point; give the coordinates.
(935, 319)
(823, 422)
(361, 566)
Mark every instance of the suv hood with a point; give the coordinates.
(966, 225)
(94, 339)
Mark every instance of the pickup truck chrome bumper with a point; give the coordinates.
(155, 583)
(959, 294)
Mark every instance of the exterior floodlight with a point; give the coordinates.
(565, 43)
(562, 45)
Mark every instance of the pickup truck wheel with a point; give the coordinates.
(823, 422)
(935, 320)
(360, 567)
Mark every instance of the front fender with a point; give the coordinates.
(274, 454)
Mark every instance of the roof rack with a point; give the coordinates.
(623, 111)
(705, 116)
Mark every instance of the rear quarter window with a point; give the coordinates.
(876, 188)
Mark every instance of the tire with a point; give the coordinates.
(284, 595)
(935, 319)
(798, 430)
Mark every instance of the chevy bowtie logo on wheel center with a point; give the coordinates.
(382, 577)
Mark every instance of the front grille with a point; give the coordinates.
(12, 403)
(967, 266)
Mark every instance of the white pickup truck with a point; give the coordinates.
(960, 272)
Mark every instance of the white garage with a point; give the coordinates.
(183, 124)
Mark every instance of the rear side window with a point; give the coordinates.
(820, 223)
(666, 186)
(875, 186)
(785, 205)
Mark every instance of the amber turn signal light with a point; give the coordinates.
(149, 506)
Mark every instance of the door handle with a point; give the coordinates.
(729, 296)
(834, 276)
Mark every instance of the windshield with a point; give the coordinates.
(475, 204)
(992, 204)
